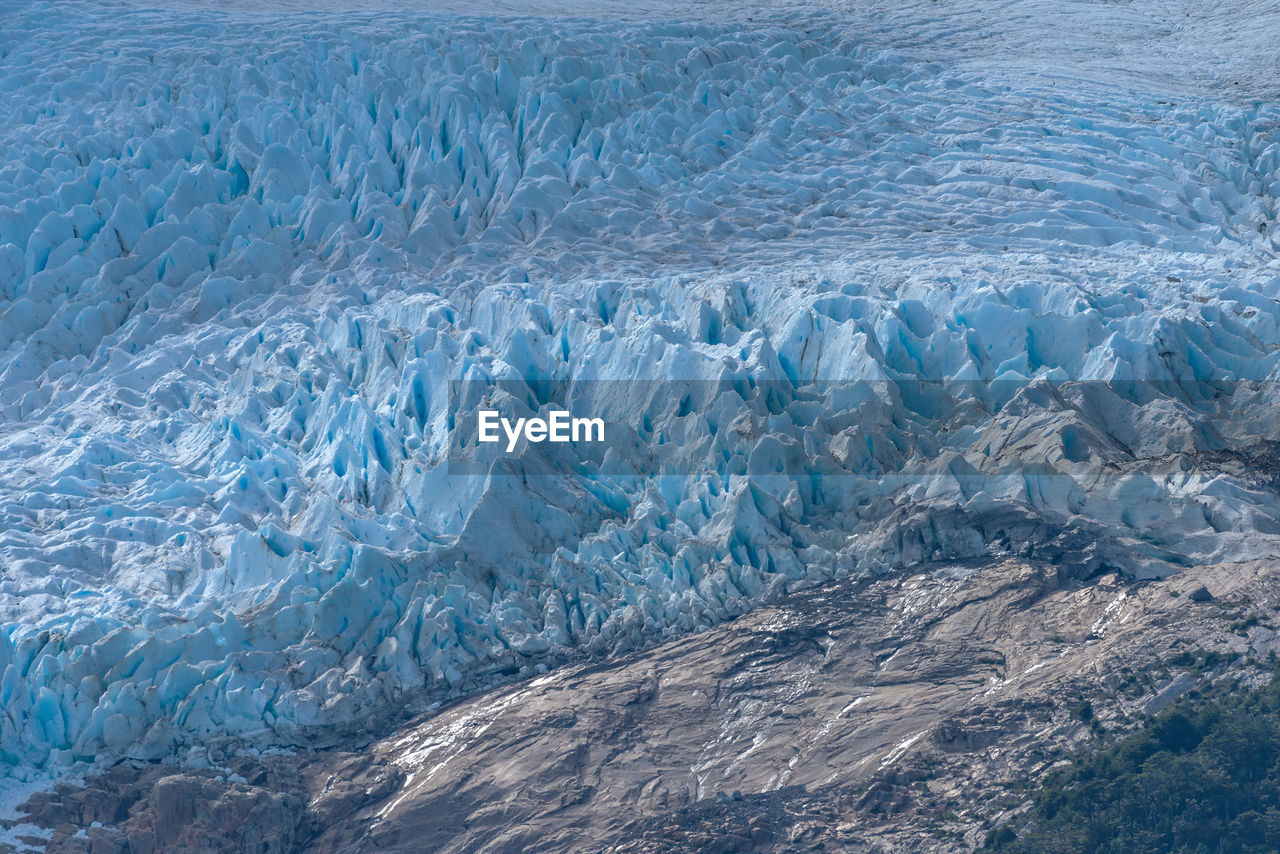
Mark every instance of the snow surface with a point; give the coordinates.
(243, 253)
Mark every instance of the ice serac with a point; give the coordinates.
(917, 312)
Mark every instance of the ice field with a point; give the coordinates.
(1006, 271)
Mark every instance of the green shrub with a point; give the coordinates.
(1202, 776)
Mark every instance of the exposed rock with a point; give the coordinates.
(1201, 594)
(880, 716)
(165, 809)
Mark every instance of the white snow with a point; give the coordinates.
(244, 251)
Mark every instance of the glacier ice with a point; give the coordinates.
(243, 255)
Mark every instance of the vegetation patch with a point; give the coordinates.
(1202, 776)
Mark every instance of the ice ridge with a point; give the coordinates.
(242, 257)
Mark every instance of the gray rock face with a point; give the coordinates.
(158, 809)
(880, 716)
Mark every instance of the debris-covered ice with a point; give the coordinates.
(933, 307)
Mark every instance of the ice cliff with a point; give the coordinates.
(924, 311)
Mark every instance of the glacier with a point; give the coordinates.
(930, 303)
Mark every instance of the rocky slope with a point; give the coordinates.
(896, 715)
